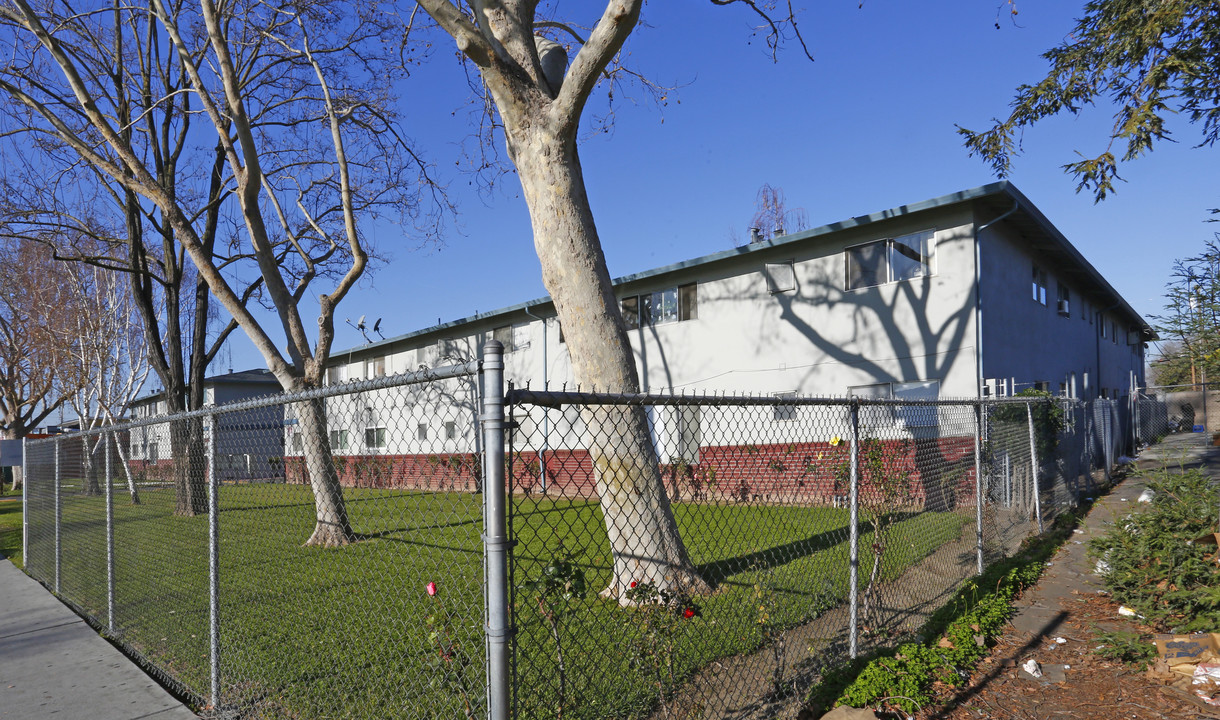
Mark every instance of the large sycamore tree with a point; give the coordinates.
(292, 113)
(1149, 59)
(36, 317)
(538, 98)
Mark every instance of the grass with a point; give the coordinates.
(10, 525)
(339, 633)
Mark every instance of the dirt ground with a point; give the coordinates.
(1090, 687)
(1070, 603)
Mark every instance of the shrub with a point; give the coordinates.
(1153, 566)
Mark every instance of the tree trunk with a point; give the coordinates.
(131, 481)
(187, 448)
(639, 521)
(333, 528)
(92, 486)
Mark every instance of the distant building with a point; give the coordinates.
(249, 445)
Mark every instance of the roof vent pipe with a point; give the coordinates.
(755, 235)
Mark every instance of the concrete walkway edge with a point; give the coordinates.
(54, 665)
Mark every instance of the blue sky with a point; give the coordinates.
(869, 125)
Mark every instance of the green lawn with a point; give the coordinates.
(316, 633)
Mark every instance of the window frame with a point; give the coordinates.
(1038, 285)
(638, 310)
(772, 272)
(378, 434)
(338, 439)
(887, 273)
(1063, 301)
(375, 367)
(784, 413)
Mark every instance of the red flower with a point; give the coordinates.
(431, 588)
(633, 584)
(688, 613)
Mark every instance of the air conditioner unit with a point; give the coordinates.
(1064, 308)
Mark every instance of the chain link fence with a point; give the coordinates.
(425, 545)
(1162, 411)
(795, 533)
(301, 556)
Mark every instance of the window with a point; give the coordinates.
(450, 348)
(335, 375)
(374, 367)
(1101, 327)
(297, 442)
(1043, 386)
(421, 432)
(873, 416)
(784, 413)
(1039, 286)
(512, 337)
(660, 307)
(781, 277)
(917, 415)
(866, 265)
(422, 355)
(338, 439)
(1113, 332)
(450, 430)
(1065, 301)
(374, 437)
(901, 258)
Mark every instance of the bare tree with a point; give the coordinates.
(538, 98)
(33, 351)
(772, 215)
(108, 359)
(294, 98)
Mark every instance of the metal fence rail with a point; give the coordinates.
(427, 545)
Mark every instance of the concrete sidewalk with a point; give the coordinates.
(1039, 613)
(53, 665)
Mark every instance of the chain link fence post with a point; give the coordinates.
(495, 536)
(854, 501)
(58, 518)
(25, 503)
(978, 483)
(1034, 467)
(110, 624)
(213, 564)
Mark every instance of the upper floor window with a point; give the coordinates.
(781, 277)
(374, 367)
(1064, 304)
(660, 307)
(1039, 286)
(335, 374)
(891, 260)
(512, 337)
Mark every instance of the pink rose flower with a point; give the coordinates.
(431, 588)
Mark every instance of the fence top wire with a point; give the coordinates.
(548, 398)
(417, 377)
